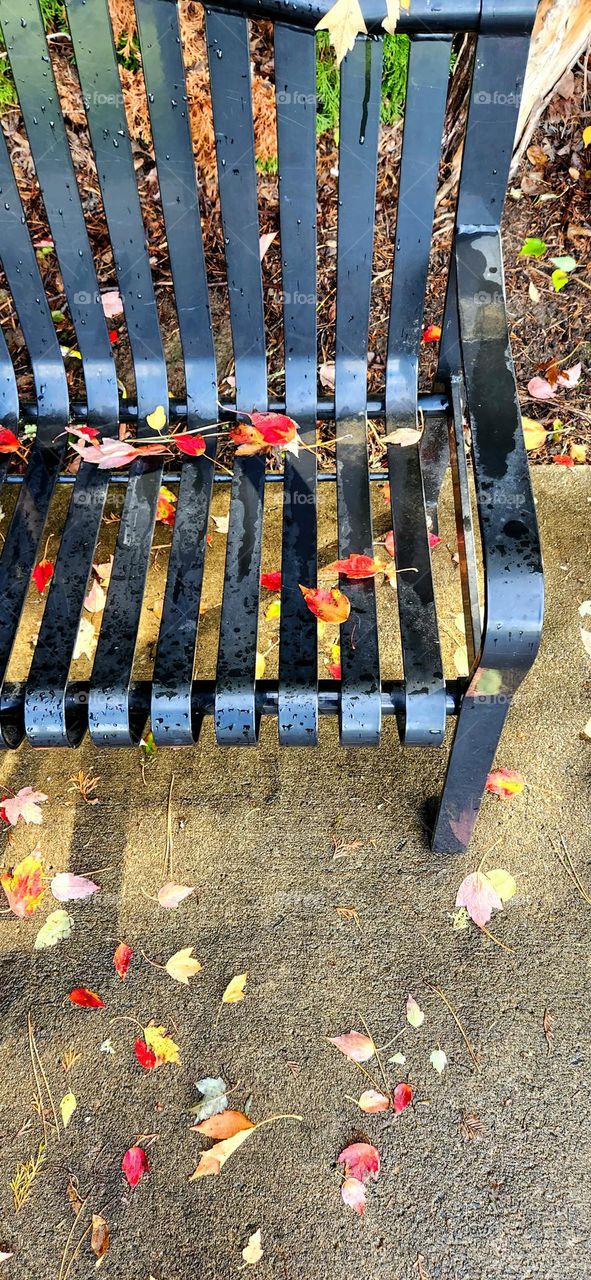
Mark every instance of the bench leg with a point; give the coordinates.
(473, 750)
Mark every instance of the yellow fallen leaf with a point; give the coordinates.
(503, 882)
(392, 18)
(261, 663)
(161, 1044)
(68, 1106)
(157, 419)
(533, 434)
(273, 611)
(182, 965)
(344, 21)
(461, 660)
(578, 452)
(587, 136)
(253, 1252)
(235, 989)
(212, 1161)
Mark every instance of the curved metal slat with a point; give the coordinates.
(236, 718)
(360, 722)
(110, 717)
(45, 716)
(423, 722)
(295, 86)
(158, 26)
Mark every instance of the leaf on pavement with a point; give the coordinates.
(354, 1045)
(182, 966)
(25, 804)
(534, 433)
(170, 895)
(235, 989)
(58, 926)
(122, 957)
(503, 882)
(361, 1161)
(162, 1045)
(414, 1014)
(480, 898)
(100, 1238)
(438, 1060)
(505, 783)
(134, 1165)
(69, 888)
(86, 999)
(371, 1101)
(23, 885)
(401, 1097)
(213, 1161)
(68, 1106)
(353, 1193)
(214, 1097)
(253, 1251)
(224, 1125)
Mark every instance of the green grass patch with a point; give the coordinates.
(328, 85)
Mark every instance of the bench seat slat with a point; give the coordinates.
(360, 719)
(158, 26)
(295, 80)
(236, 719)
(423, 722)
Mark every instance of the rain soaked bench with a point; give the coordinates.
(475, 382)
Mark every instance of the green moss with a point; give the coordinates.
(327, 81)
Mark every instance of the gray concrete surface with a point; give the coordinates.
(252, 831)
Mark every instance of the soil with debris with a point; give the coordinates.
(484, 1177)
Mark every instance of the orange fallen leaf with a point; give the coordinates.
(328, 605)
(371, 1101)
(357, 567)
(212, 1161)
(224, 1125)
(505, 783)
(23, 885)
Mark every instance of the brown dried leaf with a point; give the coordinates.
(224, 1125)
(548, 1025)
(101, 1237)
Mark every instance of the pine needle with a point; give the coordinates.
(470, 1047)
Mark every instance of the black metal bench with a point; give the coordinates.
(475, 378)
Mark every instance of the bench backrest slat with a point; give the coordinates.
(94, 51)
(295, 98)
(164, 74)
(30, 64)
(358, 158)
(24, 279)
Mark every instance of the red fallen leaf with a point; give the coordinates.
(563, 460)
(432, 333)
(194, 446)
(334, 669)
(275, 428)
(145, 1056)
(113, 337)
(271, 581)
(90, 433)
(434, 540)
(361, 1161)
(165, 508)
(329, 606)
(505, 783)
(42, 574)
(386, 493)
(389, 542)
(8, 441)
(401, 1097)
(357, 567)
(86, 999)
(122, 958)
(134, 1165)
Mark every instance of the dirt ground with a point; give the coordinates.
(486, 1175)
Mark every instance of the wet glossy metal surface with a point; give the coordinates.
(475, 377)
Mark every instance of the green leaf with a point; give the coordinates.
(57, 316)
(58, 926)
(398, 1058)
(438, 1059)
(533, 248)
(559, 279)
(567, 263)
(503, 882)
